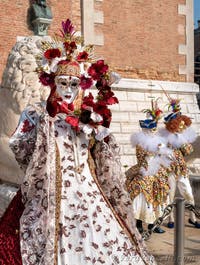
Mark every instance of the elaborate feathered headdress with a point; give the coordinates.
(66, 55)
(176, 121)
(153, 115)
(174, 105)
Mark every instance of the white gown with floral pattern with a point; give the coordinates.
(87, 229)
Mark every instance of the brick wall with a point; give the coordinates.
(141, 40)
(13, 21)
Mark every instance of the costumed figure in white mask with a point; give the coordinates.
(147, 181)
(179, 136)
(76, 210)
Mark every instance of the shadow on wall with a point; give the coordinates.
(195, 183)
(198, 100)
(195, 154)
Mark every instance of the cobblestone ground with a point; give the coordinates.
(162, 245)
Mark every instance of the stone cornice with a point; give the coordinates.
(155, 85)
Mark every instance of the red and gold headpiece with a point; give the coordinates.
(69, 68)
(66, 55)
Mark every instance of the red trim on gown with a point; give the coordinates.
(9, 232)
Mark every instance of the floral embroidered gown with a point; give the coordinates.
(76, 210)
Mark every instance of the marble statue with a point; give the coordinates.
(20, 86)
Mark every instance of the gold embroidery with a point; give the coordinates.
(155, 188)
(58, 203)
(186, 149)
(179, 166)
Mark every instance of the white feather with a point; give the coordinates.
(178, 139)
(155, 163)
(149, 141)
(156, 144)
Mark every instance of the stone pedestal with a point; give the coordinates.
(40, 26)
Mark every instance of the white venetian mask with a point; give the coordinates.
(67, 87)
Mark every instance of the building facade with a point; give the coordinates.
(139, 39)
(150, 43)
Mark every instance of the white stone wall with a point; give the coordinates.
(90, 18)
(135, 95)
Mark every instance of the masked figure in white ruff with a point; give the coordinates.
(179, 136)
(76, 210)
(147, 181)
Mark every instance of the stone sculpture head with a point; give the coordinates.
(20, 86)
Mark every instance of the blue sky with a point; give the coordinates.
(196, 12)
